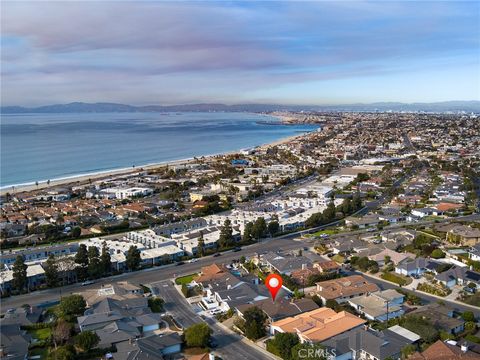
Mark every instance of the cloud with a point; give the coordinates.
(61, 51)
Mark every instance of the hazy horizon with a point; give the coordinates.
(292, 53)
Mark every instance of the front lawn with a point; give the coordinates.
(338, 258)
(326, 232)
(187, 279)
(41, 334)
(396, 278)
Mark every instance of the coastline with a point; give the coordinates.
(80, 179)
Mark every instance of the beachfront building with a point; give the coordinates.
(124, 192)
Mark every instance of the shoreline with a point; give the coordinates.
(79, 179)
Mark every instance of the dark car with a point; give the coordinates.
(213, 344)
(236, 249)
(217, 255)
(180, 263)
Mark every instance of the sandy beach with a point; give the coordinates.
(78, 180)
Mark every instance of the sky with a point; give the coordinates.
(293, 52)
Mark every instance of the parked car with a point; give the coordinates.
(470, 290)
(180, 263)
(193, 260)
(237, 248)
(217, 255)
(88, 282)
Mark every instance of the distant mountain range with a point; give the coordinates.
(80, 107)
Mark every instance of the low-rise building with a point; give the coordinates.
(379, 306)
(345, 288)
(317, 325)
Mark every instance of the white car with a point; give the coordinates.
(193, 260)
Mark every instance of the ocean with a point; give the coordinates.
(38, 147)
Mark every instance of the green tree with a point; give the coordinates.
(51, 271)
(105, 259)
(76, 232)
(438, 254)
(356, 202)
(273, 227)
(282, 344)
(66, 352)
(198, 335)
(255, 320)
(72, 305)
(87, 340)
(329, 212)
(346, 206)
(260, 228)
(470, 326)
(248, 232)
(133, 258)
(201, 245)
(19, 269)
(81, 258)
(468, 316)
(408, 350)
(156, 304)
(95, 269)
(226, 234)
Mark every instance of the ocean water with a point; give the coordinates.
(37, 147)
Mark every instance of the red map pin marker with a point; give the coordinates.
(274, 283)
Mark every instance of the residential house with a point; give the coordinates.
(344, 288)
(362, 222)
(464, 235)
(379, 306)
(366, 343)
(474, 252)
(317, 325)
(394, 256)
(448, 350)
(414, 267)
(442, 317)
(228, 291)
(459, 275)
(280, 308)
(117, 319)
(119, 291)
(155, 347)
(285, 264)
(424, 212)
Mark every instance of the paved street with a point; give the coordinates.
(230, 345)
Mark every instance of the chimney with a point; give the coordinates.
(304, 266)
(464, 347)
(211, 356)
